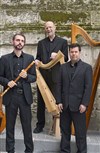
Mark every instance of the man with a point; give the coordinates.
(20, 95)
(76, 85)
(47, 50)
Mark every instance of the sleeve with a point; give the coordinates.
(59, 85)
(88, 85)
(65, 50)
(31, 74)
(39, 48)
(3, 80)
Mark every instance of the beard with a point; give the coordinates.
(18, 47)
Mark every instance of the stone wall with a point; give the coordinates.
(28, 16)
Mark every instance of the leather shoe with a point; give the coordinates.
(38, 130)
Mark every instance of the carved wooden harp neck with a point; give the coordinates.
(77, 30)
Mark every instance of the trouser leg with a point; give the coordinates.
(25, 117)
(40, 110)
(65, 124)
(79, 120)
(11, 113)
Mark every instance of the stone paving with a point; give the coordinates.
(45, 143)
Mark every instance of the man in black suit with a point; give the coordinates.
(47, 50)
(19, 97)
(75, 85)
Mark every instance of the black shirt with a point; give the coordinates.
(17, 67)
(73, 68)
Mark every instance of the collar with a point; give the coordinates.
(75, 64)
(52, 39)
(14, 55)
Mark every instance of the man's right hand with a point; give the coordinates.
(11, 84)
(60, 107)
(37, 62)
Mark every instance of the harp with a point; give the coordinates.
(48, 98)
(77, 30)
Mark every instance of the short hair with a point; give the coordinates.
(73, 45)
(20, 34)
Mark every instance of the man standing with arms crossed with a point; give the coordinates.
(46, 51)
(20, 94)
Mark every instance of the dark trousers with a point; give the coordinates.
(40, 110)
(41, 105)
(79, 121)
(18, 102)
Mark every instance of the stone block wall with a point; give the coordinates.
(29, 16)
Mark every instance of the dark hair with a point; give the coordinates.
(73, 45)
(20, 34)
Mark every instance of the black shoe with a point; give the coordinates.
(38, 130)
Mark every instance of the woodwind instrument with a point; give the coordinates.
(2, 115)
(77, 30)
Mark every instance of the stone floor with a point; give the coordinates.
(46, 143)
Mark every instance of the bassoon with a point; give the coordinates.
(2, 114)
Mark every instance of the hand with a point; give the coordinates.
(37, 62)
(53, 55)
(60, 107)
(82, 108)
(23, 74)
(11, 84)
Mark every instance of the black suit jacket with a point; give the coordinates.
(76, 90)
(44, 52)
(6, 75)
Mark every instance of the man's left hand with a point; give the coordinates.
(53, 55)
(82, 108)
(23, 74)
